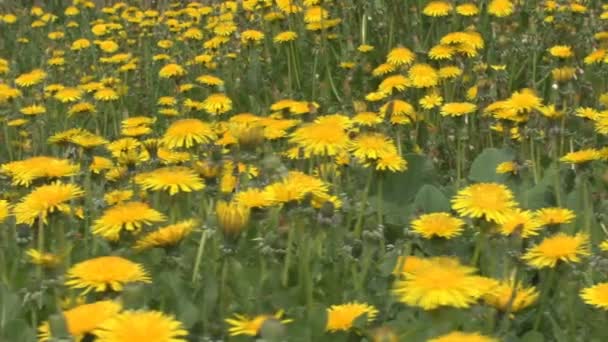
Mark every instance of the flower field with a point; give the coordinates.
(304, 170)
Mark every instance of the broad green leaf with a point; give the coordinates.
(484, 166)
(430, 199)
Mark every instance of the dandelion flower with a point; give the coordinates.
(252, 326)
(48, 260)
(596, 295)
(232, 217)
(45, 200)
(285, 36)
(506, 167)
(129, 216)
(501, 8)
(423, 76)
(24, 172)
(400, 56)
(82, 319)
(523, 101)
(166, 236)
(458, 336)
(555, 215)
(149, 326)
(522, 222)
(217, 104)
(441, 281)
(31, 78)
(187, 133)
(321, 139)
(372, 146)
(437, 9)
(561, 51)
(438, 224)
(342, 317)
(559, 247)
(105, 273)
(431, 101)
(467, 9)
(395, 82)
(172, 179)
(581, 156)
(171, 70)
(506, 296)
(491, 201)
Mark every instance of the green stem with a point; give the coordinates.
(288, 252)
(359, 223)
(40, 244)
(199, 256)
(545, 288)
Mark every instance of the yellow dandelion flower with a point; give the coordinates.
(391, 161)
(400, 56)
(523, 101)
(501, 8)
(117, 196)
(458, 336)
(82, 319)
(438, 224)
(491, 201)
(149, 326)
(45, 200)
(556, 215)
(423, 76)
(371, 146)
(441, 281)
(252, 326)
(342, 317)
(106, 94)
(171, 70)
(596, 295)
(441, 51)
(437, 9)
(48, 260)
(507, 167)
(506, 296)
(285, 36)
(431, 101)
(216, 104)
(321, 139)
(395, 82)
(68, 94)
(581, 156)
(467, 9)
(204, 79)
(522, 222)
(166, 236)
(129, 216)
(458, 108)
(31, 78)
(559, 247)
(561, 51)
(173, 179)
(232, 217)
(188, 133)
(105, 273)
(254, 198)
(80, 44)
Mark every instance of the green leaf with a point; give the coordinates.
(401, 187)
(532, 336)
(484, 166)
(430, 199)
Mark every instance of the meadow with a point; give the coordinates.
(304, 170)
